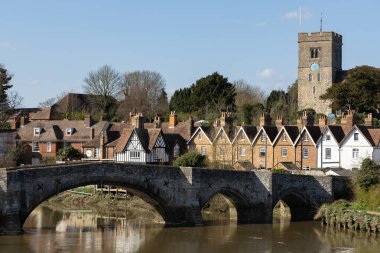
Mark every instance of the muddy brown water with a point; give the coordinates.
(50, 230)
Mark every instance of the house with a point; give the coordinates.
(43, 138)
(283, 145)
(328, 147)
(201, 141)
(242, 146)
(142, 145)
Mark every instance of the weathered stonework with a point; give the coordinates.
(329, 59)
(178, 194)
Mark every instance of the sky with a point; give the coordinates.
(50, 46)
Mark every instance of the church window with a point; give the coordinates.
(310, 77)
(314, 51)
(313, 90)
(319, 77)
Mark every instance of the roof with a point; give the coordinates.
(123, 140)
(292, 132)
(315, 132)
(271, 132)
(251, 131)
(288, 165)
(41, 114)
(245, 165)
(337, 132)
(372, 134)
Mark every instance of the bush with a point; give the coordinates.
(368, 175)
(191, 159)
(69, 153)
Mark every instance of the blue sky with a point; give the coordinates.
(51, 45)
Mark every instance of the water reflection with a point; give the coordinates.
(49, 230)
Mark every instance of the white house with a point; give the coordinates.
(360, 143)
(329, 147)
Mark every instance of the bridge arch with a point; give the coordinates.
(301, 205)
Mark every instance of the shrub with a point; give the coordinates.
(191, 159)
(368, 175)
(69, 153)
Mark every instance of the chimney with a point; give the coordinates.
(322, 120)
(139, 120)
(347, 121)
(216, 123)
(87, 120)
(307, 119)
(101, 145)
(264, 119)
(279, 121)
(157, 121)
(172, 119)
(22, 121)
(368, 121)
(299, 124)
(226, 120)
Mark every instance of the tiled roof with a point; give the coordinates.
(42, 114)
(292, 131)
(372, 134)
(338, 132)
(271, 131)
(123, 140)
(315, 132)
(251, 131)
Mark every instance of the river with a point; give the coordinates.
(53, 230)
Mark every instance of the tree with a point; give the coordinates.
(210, 94)
(360, 88)
(247, 94)
(191, 159)
(368, 175)
(105, 83)
(8, 100)
(144, 91)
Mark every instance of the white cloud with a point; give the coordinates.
(266, 73)
(295, 14)
(4, 44)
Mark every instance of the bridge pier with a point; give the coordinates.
(11, 225)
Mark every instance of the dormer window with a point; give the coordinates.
(37, 131)
(69, 131)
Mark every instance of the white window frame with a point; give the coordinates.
(262, 152)
(48, 146)
(96, 152)
(35, 147)
(305, 153)
(284, 152)
(200, 137)
(356, 136)
(222, 151)
(134, 154)
(69, 131)
(242, 151)
(327, 153)
(328, 137)
(37, 131)
(284, 137)
(355, 153)
(203, 150)
(222, 136)
(242, 137)
(263, 137)
(305, 137)
(176, 150)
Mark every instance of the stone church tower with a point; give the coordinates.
(319, 64)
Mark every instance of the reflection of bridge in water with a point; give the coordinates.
(178, 194)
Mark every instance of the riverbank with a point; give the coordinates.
(362, 214)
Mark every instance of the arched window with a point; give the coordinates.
(313, 90)
(319, 77)
(314, 51)
(310, 77)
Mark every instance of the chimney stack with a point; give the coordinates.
(368, 121)
(347, 121)
(172, 119)
(279, 121)
(157, 121)
(87, 120)
(322, 120)
(264, 119)
(307, 119)
(226, 120)
(139, 120)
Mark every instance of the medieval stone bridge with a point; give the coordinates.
(178, 194)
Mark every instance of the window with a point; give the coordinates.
(314, 51)
(133, 154)
(176, 150)
(35, 147)
(69, 131)
(242, 151)
(222, 151)
(328, 137)
(313, 90)
(305, 137)
(48, 146)
(37, 131)
(200, 136)
(306, 167)
(263, 138)
(284, 152)
(355, 153)
(319, 77)
(159, 154)
(203, 150)
(305, 153)
(222, 136)
(284, 137)
(242, 137)
(327, 153)
(96, 153)
(356, 136)
(310, 77)
(262, 152)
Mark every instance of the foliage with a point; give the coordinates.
(18, 153)
(105, 83)
(210, 94)
(68, 153)
(368, 175)
(360, 88)
(191, 159)
(144, 91)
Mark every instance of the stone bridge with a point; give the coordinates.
(177, 193)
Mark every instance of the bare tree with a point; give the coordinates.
(247, 94)
(143, 92)
(105, 83)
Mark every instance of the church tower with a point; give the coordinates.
(319, 63)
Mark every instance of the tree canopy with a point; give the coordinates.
(360, 89)
(210, 94)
